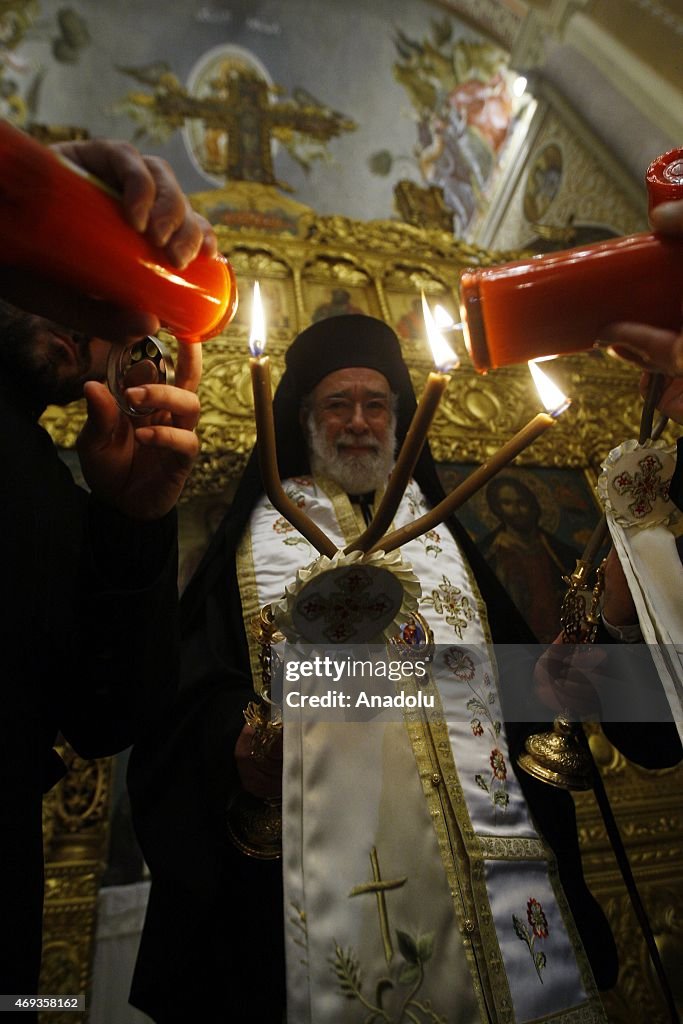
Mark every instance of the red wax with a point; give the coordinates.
(664, 178)
(60, 224)
(558, 303)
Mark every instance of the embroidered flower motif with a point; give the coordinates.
(282, 525)
(482, 705)
(430, 541)
(539, 930)
(449, 601)
(497, 762)
(536, 918)
(460, 663)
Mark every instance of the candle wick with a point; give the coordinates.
(560, 409)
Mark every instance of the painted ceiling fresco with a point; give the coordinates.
(334, 102)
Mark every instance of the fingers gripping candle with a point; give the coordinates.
(65, 226)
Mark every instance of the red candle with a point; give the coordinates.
(558, 303)
(65, 226)
(664, 178)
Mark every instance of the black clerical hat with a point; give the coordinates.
(338, 342)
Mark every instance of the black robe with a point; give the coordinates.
(83, 590)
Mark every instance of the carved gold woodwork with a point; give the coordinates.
(298, 258)
(649, 811)
(75, 834)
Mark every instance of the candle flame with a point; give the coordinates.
(442, 353)
(257, 336)
(443, 318)
(553, 399)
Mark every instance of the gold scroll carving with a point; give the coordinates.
(75, 835)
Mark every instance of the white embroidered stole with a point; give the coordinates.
(634, 489)
(421, 895)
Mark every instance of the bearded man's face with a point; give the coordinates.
(44, 361)
(351, 429)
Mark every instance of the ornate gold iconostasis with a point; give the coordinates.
(309, 266)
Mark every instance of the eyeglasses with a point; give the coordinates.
(344, 409)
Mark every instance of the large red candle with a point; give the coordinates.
(63, 225)
(558, 303)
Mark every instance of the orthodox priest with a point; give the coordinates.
(422, 880)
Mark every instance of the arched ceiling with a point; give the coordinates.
(619, 63)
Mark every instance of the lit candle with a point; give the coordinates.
(437, 382)
(259, 367)
(552, 398)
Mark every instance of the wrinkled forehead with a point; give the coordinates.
(352, 380)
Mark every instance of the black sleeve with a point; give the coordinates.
(182, 775)
(125, 666)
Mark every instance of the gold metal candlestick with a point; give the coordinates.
(557, 757)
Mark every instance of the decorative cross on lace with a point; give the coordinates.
(645, 485)
(345, 606)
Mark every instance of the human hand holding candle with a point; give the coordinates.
(650, 347)
(554, 401)
(437, 382)
(259, 368)
(113, 256)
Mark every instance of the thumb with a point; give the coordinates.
(103, 417)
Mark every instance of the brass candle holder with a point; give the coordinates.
(255, 825)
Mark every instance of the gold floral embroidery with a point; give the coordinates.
(409, 974)
(282, 525)
(449, 601)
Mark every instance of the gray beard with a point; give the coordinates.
(356, 474)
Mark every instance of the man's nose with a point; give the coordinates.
(358, 422)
